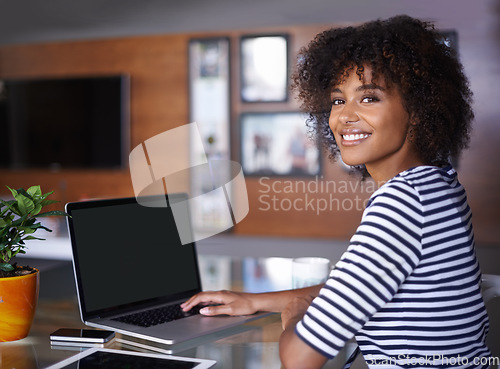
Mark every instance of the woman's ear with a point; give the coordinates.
(412, 127)
(413, 120)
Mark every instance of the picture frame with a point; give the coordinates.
(209, 93)
(209, 108)
(277, 144)
(264, 64)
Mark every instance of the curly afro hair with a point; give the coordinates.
(409, 55)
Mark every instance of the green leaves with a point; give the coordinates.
(28, 202)
(18, 221)
(6, 267)
(35, 191)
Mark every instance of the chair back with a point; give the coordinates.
(490, 289)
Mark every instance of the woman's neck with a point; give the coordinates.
(384, 173)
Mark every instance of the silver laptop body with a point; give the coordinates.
(128, 258)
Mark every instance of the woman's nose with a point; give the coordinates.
(348, 113)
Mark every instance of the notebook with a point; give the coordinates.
(128, 259)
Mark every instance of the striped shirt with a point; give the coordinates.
(408, 286)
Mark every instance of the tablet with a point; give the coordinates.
(98, 358)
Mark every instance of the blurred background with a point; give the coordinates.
(146, 46)
(145, 67)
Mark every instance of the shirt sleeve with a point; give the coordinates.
(383, 252)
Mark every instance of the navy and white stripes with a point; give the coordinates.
(408, 286)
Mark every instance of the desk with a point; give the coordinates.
(253, 345)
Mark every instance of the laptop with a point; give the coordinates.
(128, 260)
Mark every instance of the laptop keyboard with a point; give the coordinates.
(157, 316)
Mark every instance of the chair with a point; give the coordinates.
(491, 289)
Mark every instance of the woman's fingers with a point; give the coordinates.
(217, 310)
(227, 302)
(201, 299)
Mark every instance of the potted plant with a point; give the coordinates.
(19, 284)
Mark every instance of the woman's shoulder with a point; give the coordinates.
(422, 177)
(417, 182)
(425, 173)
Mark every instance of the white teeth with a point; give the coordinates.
(355, 137)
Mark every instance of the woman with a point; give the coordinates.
(392, 99)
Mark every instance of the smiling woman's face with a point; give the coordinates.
(370, 125)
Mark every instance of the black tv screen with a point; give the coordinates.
(64, 123)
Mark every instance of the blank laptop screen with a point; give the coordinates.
(128, 253)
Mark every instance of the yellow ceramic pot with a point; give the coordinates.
(18, 299)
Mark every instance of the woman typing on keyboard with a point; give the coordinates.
(392, 100)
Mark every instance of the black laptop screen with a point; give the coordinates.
(128, 254)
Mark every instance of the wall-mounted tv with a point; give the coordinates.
(64, 122)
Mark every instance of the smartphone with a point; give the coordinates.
(81, 335)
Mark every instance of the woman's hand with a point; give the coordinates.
(241, 303)
(227, 302)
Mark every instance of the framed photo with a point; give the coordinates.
(277, 144)
(209, 94)
(209, 97)
(264, 68)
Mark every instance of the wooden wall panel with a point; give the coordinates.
(158, 90)
(157, 66)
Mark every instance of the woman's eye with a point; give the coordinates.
(337, 101)
(369, 99)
